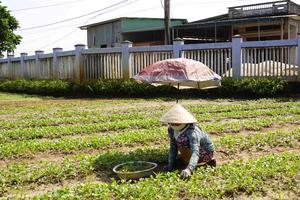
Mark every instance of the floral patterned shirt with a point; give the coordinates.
(193, 139)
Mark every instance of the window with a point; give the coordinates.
(252, 39)
(270, 27)
(274, 37)
(263, 38)
(252, 29)
(263, 28)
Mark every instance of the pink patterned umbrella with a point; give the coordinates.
(181, 73)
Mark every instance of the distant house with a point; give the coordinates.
(264, 21)
(140, 31)
(255, 22)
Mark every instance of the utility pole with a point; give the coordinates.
(167, 22)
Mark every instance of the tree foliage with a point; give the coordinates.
(8, 23)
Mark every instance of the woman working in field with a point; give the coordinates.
(186, 136)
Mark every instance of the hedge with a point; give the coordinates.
(247, 87)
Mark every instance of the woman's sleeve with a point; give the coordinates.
(173, 151)
(195, 150)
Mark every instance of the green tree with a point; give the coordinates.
(8, 23)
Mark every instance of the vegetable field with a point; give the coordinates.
(56, 148)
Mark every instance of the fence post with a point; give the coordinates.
(37, 64)
(9, 66)
(236, 56)
(78, 68)
(298, 56)
(126, 64)
(55, 73)
(23, 55)
(177, 48)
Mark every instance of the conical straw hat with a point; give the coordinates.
(178, 114)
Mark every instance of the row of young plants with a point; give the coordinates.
(105, 118)
(228, 180)
(96, 117)
(6, 124)
(10, 138)
(242, 106)
(27, 148)
(16, 175)
(7, 137)
(76, 108)
(41, 108)
(57, 120)
(26, 134)
(58, 104)
(227, 116)
(228, 146)
(195, 109)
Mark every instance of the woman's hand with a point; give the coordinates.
(186, 173)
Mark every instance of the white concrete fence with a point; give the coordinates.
(237, 59)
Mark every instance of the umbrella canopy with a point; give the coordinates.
(181, 73)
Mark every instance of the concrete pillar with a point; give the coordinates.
(236, 56)
(126, 64)
(10, 74)
(55, 74)
(23, 66)
(177, 48)
(36, 73)
(78, 68)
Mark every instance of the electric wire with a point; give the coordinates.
(112, 10)
(205, 3)
(73, 18)
(81, 24)
(42, 31)
(46, 6)
(74, 30)
(71, 2)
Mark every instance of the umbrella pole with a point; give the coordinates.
(177, 93)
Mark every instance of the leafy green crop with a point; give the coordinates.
(48, 142)
(226, 180)
(21, 174)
